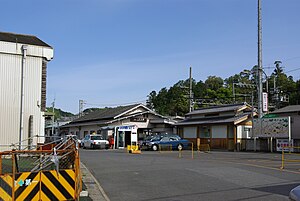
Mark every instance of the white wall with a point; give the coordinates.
(219, 131)
(190, 132)
(10, 87)
(243, 132)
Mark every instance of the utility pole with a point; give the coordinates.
(276, 91)
(259, 69)
(191, 92)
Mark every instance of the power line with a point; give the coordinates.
(114, 104)
(293, 70)
(291, 58)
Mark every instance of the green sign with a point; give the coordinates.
(270, 116)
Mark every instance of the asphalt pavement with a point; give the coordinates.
(92, 188)
(170, 176)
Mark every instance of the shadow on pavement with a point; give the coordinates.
(278, 189)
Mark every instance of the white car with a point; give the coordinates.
(94, 141)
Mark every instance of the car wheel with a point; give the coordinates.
(92, 146)
(154, 147)
(179, 147)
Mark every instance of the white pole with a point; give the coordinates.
(24, 49)
(290, 136)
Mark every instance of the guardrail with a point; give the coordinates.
(288, 156)
(191, 147)
(185, 150)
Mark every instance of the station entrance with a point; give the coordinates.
(125, 135)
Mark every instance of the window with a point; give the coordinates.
(165, 139)
(85, 133)
(96, 137)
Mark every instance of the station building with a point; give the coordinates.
(221, 127)
(119, 122)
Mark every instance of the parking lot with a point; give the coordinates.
(216, 175)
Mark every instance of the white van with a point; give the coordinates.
(95, 141)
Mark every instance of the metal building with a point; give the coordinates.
(23, 68)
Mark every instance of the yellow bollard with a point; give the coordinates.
(192, 151)
(282, 159)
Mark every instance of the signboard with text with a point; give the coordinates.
(265, 101)
(272, 127)
(284, 144)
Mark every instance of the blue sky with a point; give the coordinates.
(115, 52)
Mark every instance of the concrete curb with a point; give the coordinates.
(95, 191)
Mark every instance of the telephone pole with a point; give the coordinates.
(259, 69)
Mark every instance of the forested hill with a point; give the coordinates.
(59, 114)
(282, 90)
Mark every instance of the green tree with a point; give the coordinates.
(214, 82)
(151, 101)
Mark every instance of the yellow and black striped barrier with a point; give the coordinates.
(50, 182)
(46, 185)
(6, 187)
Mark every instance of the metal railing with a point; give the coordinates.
(60, 156)
(288, 156)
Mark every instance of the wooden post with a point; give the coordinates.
(198, 144)
(235, 138)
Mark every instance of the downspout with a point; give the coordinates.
(24, 52)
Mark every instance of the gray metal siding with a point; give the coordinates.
(10, 96)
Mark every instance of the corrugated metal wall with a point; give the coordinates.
(10, 74)
(10, 96)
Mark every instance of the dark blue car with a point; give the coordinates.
(165, 141)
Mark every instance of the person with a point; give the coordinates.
(111, 142)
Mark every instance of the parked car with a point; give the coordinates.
(80, 142)
(295, 194)
(167, 140)
(94, 141)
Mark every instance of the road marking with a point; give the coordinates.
(266, 167)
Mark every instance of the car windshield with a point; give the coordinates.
(96, 137)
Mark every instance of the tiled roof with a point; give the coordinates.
(107, 113)
(212, 120)
(21, 38)
(217, 109)
(287, 109)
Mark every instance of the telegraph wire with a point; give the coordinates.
(293, 70)
(115, 104)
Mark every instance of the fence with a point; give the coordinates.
(41, 174)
